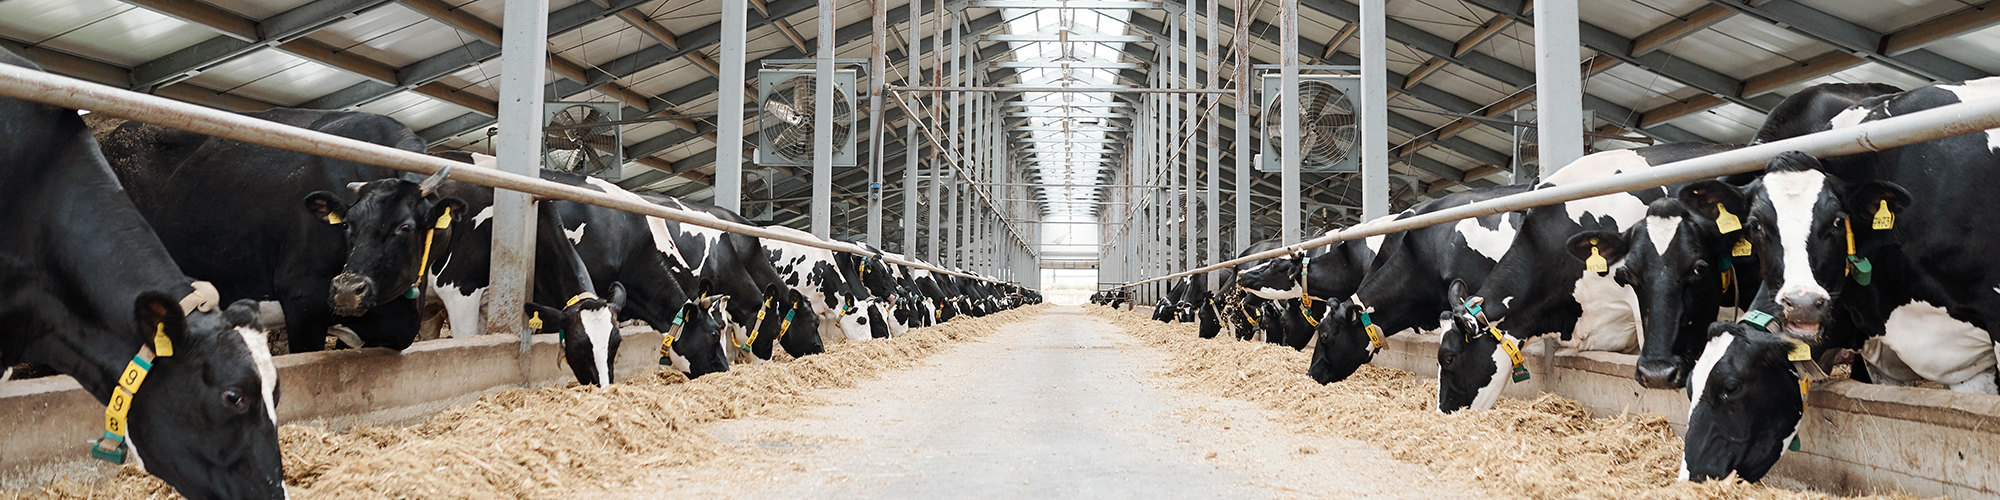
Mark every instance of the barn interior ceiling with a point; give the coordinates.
(1459, 70)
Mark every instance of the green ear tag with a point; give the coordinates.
(411, 293)
(1520, 373)
(1795, 444)
(1862, 269)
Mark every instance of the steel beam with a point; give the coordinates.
(519, 147)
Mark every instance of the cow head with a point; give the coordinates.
(803, 338)
(1744, 404)
(386, 228)
(1164, 311)
(1472, 366)
(1343, 346)
(1275, 278)
(589, 329)
(1673, 261)
(1800, 226)
(204, 419)
(698, 346)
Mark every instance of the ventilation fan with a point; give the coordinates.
(1329, 131)
(785, 117)
(576, 138)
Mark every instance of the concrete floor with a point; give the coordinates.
(1063, 406)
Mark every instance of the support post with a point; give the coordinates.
(822, 176)
(1288, 89)
(729, 119)
(1214, 191)
(1558, 85)
(1190, 156)
(523, 69)
(878, 75)
(1244, 163)
(910, 151)
(1375, 110)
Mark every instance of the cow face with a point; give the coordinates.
(589, 330)
(802, 339)
(1472, 368)
(1164, 311)
(205, 420)
(385, 228)
(1669, 260)
(1744, 405)
(699, 348)
(1800, 227)
(1343, 347)
(1272, 279)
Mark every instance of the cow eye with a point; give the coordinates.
(233, 400)
(406, 227)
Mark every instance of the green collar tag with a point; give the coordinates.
(1759, 319)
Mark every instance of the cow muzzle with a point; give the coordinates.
(351, 294)
(1804, 307)
(1658, 374)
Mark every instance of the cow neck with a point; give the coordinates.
(1474, 307)
(111, 447)
(1803, 365)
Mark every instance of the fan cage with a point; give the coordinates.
(786, 119)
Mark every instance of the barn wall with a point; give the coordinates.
(1856, 438)
(50, 419)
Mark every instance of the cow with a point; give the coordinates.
(586, 324)
(1308, 281)
(1166, 310)
(733, 264)
(230, 213)
(792, 324)
(835, 292)
(1406, 284)
(1686, 270)
(89, 289)
(1542, 290)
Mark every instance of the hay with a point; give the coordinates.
(1549, 447)
(555, 442)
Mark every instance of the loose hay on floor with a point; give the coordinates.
(556, 442)
(1549, 447)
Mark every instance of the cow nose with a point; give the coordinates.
(349, 290)
(1802, 298)
(1658, 375)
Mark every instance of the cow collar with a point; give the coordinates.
(112, 447)
(1305, 285)
(1368, 324)
(783, 327)
(667, 341)
(1476, 308)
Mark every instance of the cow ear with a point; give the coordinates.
(243, 313)
(327, 207)
(1705, 197)
(1609, 245)
(1866, 199)
(1457, 291)
(552, 319)
(453, 208)
(617, 295)
(159, 313)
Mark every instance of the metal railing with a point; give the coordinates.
(1931, 124)
(48, 88)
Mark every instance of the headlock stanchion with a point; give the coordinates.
(28, 84)
(1927, 125)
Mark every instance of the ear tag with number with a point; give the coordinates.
(1800, 352)
(1884, 219)
(162, 346)
(333, 218)
(1595, 263)
(1726, 222)
(1742, 248)
(535, 321)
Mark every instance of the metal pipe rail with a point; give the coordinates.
(1932, 124)
(48, 88)
(1074, 90)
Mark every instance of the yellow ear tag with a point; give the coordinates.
(162, 346)
(1726, 222)
(1595, 263)
(535, 321)
(444, 221)
(1884, 219)
(1742, 248)
(1799, 352)
(333, 218)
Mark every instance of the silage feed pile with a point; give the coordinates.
(1546, 448)
(560, 442)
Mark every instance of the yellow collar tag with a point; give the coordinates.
(1726, 222)
(1884, 219)
(162, 346)
(579, 298)
(1506, 344)
(1596, 262)
(1800, 352)
(1742, 248)
(1374, 335)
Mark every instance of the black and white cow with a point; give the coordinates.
(86, 287)
(586, 323)
(732, 264)
(229, 212)
(1407, 283)
(1537, 288)
(835, 292)
(1311, 283)
(791, 323)
(1686, 271)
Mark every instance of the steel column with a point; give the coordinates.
(878, 75)
(1558, 85)
(1192, 211)
(1375, 110)
(822, 173)
(1288, 86)
(1214, 192)
(1244, 165)
(951, 244)
(523, 69)
(729, 151)
(909, 215)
